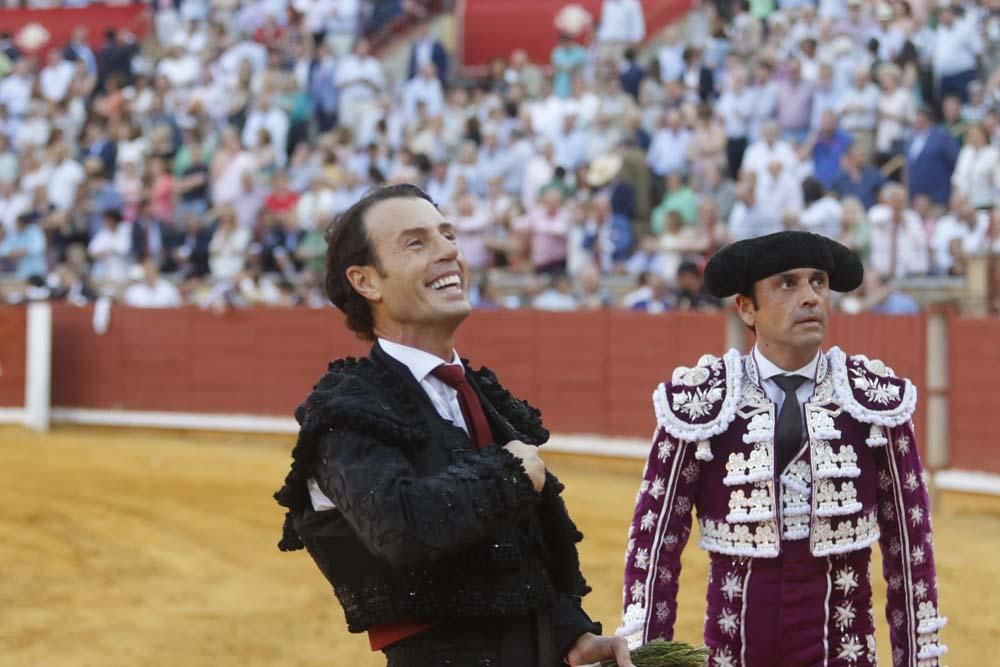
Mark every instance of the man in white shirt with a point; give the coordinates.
(898, 239)
(153, 291)
(66, 177)
(779, 192)
(268, 117)
(55, 77)
(15, 89)
(962, 223)
(858, 109)
(762, 153)
(423, 466)
(622, 23)
(736, 107)
(426, 88)
(359, 83)
(668, 150)
(957, 47)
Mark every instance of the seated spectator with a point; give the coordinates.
(659, 299)
(544, 229)
(930, 158)
(228, 247)
(25, 247)
(857, 178)
(977, 169)
(828, 147)
(690, 293)
(678, 197)
(557, 296)
(152, 291)
(899, 240)
(111, 250)
(823, 214)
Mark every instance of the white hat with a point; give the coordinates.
(603, 169)
(572, 20)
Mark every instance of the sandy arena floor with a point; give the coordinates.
(140, 548)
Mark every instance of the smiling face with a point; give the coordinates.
(418, 288)
(789, 311)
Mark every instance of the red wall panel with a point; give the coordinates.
(61, 21)
(12, 348)
(974, 401)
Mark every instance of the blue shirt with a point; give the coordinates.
(866, 189)
(32, 240)
(826, 156)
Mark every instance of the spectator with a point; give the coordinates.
(428, 50)
(265, 116)
(679, 197)
(697, 79)
(858, 178)
(658, 300)
(898, 239)
(425, 88)
(767, 150)
(228, 247)
(707, 147)
(963, 226)
(110, 250)
(828, 146)
(736, 107)
(153, 291)
(668, 152)
(690, 293)
(977, 171)
(359, 83)
(568, 59)
(25, 246)
(823, 214)
(957, 48)
(795, 101)
(631, 74)
(622, 25)
(858, 110)
(896, 110)
(930, 159)
(857, 231)
(544, 229)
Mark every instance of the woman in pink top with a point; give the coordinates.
(546, 226)
(161, 190)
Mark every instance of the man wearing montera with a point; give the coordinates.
(797, 461)
(416, 483)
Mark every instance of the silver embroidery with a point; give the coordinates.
(740, 539)
(755, 468)
(828, 463)
(759, 506)
(833, 502)
(850, 649)
(849, 535)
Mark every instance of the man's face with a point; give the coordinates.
(792, 308)
(423, 281)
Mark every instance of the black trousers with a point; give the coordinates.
(522, 641)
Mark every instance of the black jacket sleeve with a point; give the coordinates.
(569, 621)
(409, 520)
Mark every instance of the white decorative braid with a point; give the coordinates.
(632, 625)
(890, 417)
(684, 430)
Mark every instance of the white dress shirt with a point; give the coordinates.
(621, 21)
(443, 398)
(768, 370)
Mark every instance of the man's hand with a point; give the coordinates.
(589, 648)
(533, 464)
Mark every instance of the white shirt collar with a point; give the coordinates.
(769, 369)
(419, 362)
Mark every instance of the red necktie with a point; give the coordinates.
(475, 419)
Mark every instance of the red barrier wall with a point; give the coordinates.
(588, 372)
(12, 349)
(61, 22)
(974, 393)
(487, 26)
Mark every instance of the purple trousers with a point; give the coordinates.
(795, 610)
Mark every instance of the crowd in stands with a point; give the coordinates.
(203, 164)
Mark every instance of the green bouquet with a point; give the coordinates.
(659, 653)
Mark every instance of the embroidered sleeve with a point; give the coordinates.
(660, 528)
(870, 391)
(908, 553)
(700, 403)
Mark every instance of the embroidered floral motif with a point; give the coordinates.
(850, 649)
(760, 428)
(648, 521)
(744, 470)
(884, 481)
(821, 425)
(740, 539)
(690, 472)
(732, 587)
(759, 506)
(912, 481)
(898, 618)
(849, 535)
(888, 511)
(917, 553)
(642, 559)
(664, 450)
(895, 548)
(920, 590)
(833, 502)
(846, 580)
(897, 656)
(662, 612)
(691, 377)
(928, 619)
(916, 516)
(903, 445)
(628, 548)
(844, 615)
(664, 575)
(875, 391)
(682, 505)
(638, 591)
(729, 622)
(698, 403)
(724, 658)
(872, 652)
(657, 488)
(895, 582)
(795, 527)
(842, 463)
(670, 542)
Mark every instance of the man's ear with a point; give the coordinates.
(745, 307)
(365, 281)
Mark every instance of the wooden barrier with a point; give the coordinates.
(13, 326)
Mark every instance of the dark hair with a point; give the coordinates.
(812, 190)
(348, 244)
(689, 267)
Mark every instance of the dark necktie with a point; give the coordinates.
(788, 433)
(472, 409)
